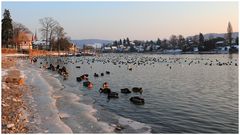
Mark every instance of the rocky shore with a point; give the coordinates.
(14, 108)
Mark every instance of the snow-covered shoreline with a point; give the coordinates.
(49, 102)
(46, 115)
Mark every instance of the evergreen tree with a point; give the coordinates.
(151, 42)
(120, 42)
(7, 28)
(124, 42)
(115, 43)
(128, 42)
(201, 39)
(236, 41)
(158, 41)
(229, 33)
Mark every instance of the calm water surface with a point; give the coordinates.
(183, 93)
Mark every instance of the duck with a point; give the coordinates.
(84, 77)
(125, 90)
(57, 67)
(65, 76)
(95, 75)
(79, 79)
(137, 100)
(105, 90)
(86, 83)
(113, 95)
(136, 89)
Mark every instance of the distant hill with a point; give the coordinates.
(82, 42)
(215, 35)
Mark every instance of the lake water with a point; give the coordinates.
(183, 93)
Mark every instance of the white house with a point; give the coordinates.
(106, 49)
(195, 49)
(139, 48)
(220, 43)
(114, 48)
(41, 44)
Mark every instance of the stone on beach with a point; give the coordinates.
(10, 125)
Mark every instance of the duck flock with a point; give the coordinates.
(130, 63)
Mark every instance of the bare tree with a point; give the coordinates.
(18, 30)
(59, 32)
(173, 41)
(48, 26)
(181, 41)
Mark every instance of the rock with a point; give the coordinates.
(16, 100)
(10, 125)
(21, 81)
(63, 115)
(56, 96)
(119, 128)
(4, 105)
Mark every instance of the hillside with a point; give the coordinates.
(82, 42)
(214, 35)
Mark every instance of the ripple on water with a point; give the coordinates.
(194, 98)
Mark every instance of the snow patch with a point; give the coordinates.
(134, 124)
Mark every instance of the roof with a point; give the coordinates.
(107, 48)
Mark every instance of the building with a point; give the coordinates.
(106, 49)
(24, 41)
(73, 49)
(41, 45)
(114, 48)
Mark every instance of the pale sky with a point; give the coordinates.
(136, 20)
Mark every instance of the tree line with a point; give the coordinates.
(14, 33)
(180, 42)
